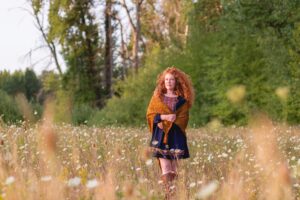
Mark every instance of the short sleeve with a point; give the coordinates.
(157, 118)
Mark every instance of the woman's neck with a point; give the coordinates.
(170, 93)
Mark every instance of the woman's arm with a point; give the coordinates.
(169, 117)
(158, 119)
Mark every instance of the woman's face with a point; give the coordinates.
(170, 82)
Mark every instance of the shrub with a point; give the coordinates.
(8, 108)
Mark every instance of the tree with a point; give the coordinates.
(293, 104)
(136, 30)
(32, 84)
(108, 47)
(15, 83)
(73, 24)
(9, 112)
(245, 49)
(37, 7)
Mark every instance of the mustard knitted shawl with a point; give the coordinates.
(156, 106)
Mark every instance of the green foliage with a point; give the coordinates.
(136, 91)
(73, 24)
(20, 82)
(63, 106)
(36, 5)
(8, 109)
(246, 47)
(32, 84)
(81, 114)
(66, 110)
(293, 104)
(37, 110)
(241, 55)
(251, 45)
(13, 83)
(50, 81)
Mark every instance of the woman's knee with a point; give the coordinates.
(166, 165)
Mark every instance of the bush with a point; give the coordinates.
(242, 47)
(37, 110)
(130, 108)
(8, 108)
(81, 114)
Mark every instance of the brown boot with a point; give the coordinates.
(173, 178)
(166, 178)
(173, 175)
(168, 184)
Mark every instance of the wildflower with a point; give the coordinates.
(8, 156)
(193, 184)
(210, 157)
(149, 162)
(9, 180)
(74, 182)
(224, 155)
(46, 178)
(172, 187)
(207, 190)
(293, 158)
(92, 183)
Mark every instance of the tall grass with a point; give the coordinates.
(48, 161)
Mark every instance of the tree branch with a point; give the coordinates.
(50, 44)
(123, 3)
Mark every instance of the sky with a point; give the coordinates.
(19, 36)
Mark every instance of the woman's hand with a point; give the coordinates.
(160, 125)
(169, 117)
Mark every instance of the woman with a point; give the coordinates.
(167, 116)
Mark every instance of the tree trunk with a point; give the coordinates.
(136, 38)
(136, 31)
(123, 47)
(50, 43)
(108, 48)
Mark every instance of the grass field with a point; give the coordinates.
(44, 161)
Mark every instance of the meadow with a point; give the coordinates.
(47, 161)
(57, 140)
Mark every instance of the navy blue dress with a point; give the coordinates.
(176, 147)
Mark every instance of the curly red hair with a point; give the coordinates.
(183, 86)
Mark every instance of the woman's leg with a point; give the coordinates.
(166, 165)
(174, 166)
(166, 177)
(168, 168)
